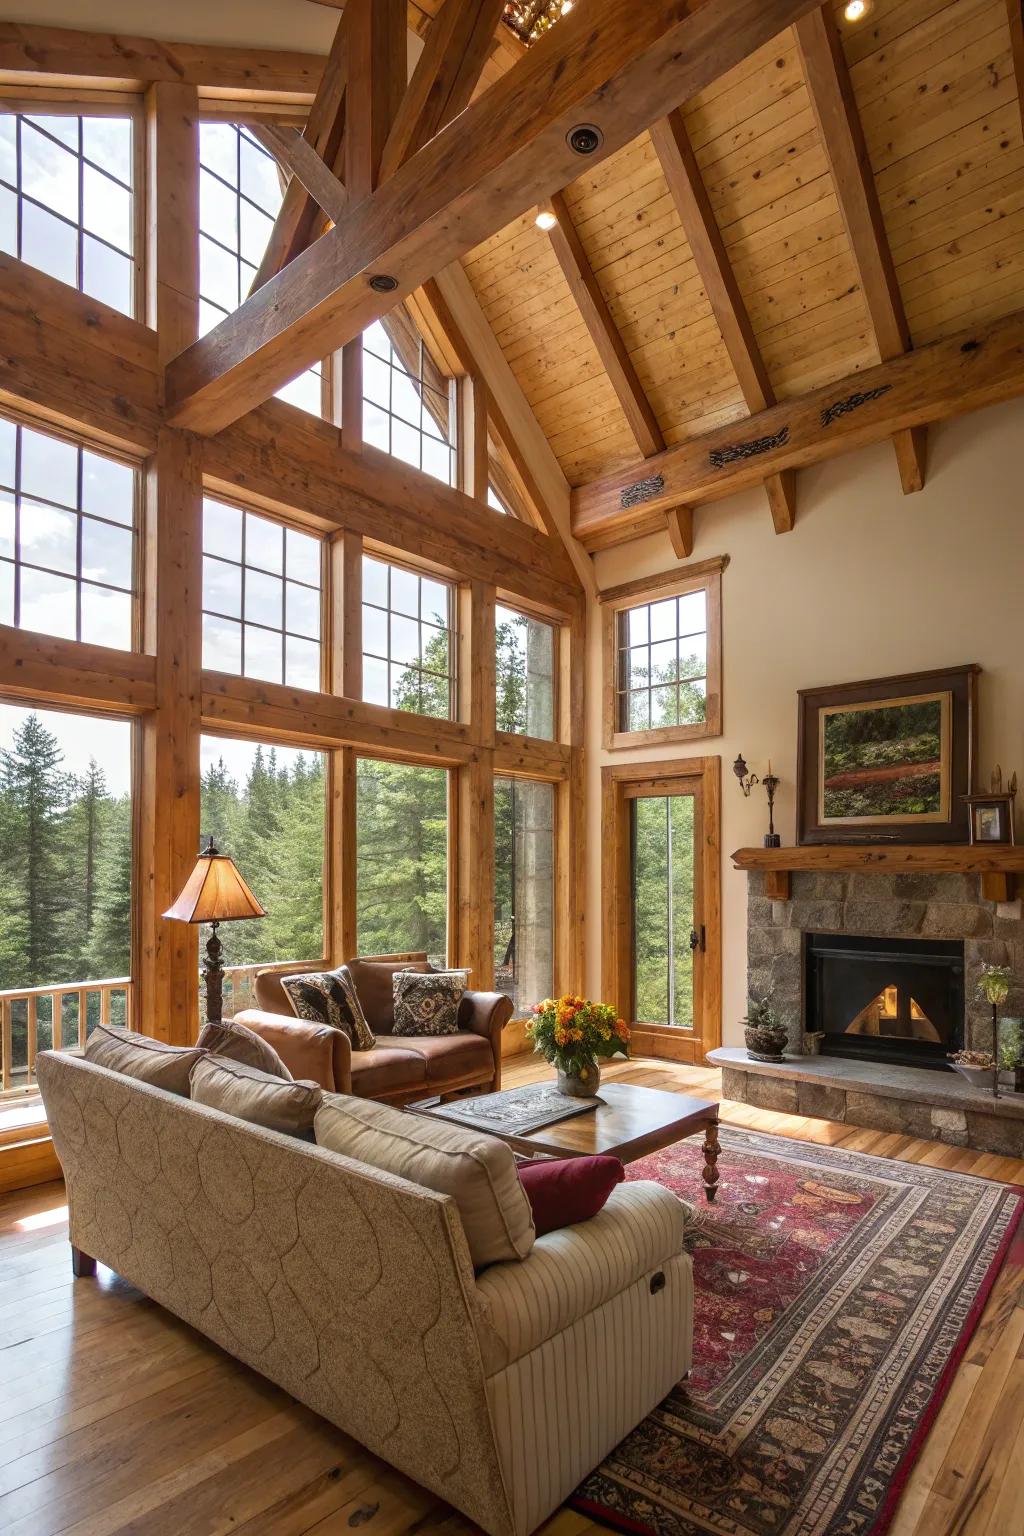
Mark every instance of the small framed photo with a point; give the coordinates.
(991, 818)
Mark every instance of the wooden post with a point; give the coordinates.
(167, 822)
(473, 863)
(345, 597)
(570, 811)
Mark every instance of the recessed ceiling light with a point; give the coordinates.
(545, 219)
(856, 10)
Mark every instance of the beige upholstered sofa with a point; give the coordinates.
(400, 1068)
(353, 1290)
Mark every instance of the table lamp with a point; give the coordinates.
(214, 893)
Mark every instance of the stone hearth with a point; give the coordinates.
(879, 902)
(911, 1101)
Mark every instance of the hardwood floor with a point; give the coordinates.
(115, 1418)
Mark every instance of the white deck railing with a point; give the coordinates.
(61, 1015)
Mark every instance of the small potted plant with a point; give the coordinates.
(765, 1033)
(976, 1066)
(574, 1034)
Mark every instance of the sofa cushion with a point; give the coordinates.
(374, 985)
(151, 1061)
(428, 1003)
(387, 1069)
(258, 1097)
(449, 1056)
(576, 1269)
(478, 1171)
(563, 1191)
(329, 997)
(237, 1043)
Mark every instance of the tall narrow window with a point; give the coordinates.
(525, 674)
(401, 859)
(67, 202)
(261, 597)
(65, 877)
(240, 193)
(524, 890)
(406, 407)
(67, 539)
(265, 806)
(407, 640)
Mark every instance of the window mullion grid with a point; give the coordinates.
(80, 265)
(17, 524)
(78, 532)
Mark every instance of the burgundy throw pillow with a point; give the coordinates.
(563, 1191)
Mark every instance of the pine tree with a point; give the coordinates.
(33, 857)
(87, 825)
(110, 945)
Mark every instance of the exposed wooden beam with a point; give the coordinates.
(172, 215)
(603, 332)
(291, 463)
(297, 217)
(510, 413)
(71, 362)
(1015, 17)
(458, 45)
(842, 135)
(781, 490)
(693, 205)
(948, 378)
(61, 53)
(912, 458)
(609, 63)
(377, 42)
(294, 151)
(34, 666)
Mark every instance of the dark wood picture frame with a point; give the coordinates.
(960, 684)
(1003, 806)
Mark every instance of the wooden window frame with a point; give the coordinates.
(524, 610)
(455, 626)
(705, 577)
(621, 783)
(63, 103)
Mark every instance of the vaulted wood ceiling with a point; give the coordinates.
(934, 89)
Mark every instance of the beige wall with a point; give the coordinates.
(869, 583)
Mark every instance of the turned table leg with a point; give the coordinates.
(709, 1172)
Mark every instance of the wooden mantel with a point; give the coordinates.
(998, 866)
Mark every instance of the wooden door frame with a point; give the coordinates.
(705, 774)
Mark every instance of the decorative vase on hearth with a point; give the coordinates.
(765, 1033)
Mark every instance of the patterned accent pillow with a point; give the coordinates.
(428, 1003)
(329, 997)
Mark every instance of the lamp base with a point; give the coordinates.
(213, 975)
(772, 840)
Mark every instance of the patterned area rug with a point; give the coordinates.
(835, 1294)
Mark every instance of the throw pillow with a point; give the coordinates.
(428, 1004)
(477, 1170)
(329, 997)
(563, 1191)
(237, 1043)
(258, 1097)
(140, 1056)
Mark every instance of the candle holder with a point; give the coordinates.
(771, 782)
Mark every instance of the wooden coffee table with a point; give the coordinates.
(630, 1123)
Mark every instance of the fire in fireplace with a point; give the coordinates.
(896, 1000)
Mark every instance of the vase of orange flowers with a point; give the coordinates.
(575, 1035)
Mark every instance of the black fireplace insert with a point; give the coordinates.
(896, 1000)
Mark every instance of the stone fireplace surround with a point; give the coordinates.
(878, 902)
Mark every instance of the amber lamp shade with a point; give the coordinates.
(214, 893)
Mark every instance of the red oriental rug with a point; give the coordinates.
(835, 1296)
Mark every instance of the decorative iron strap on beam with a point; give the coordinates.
(718, 458)
(641, 490)
(860, 397)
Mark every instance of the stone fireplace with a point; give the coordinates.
(886, 905)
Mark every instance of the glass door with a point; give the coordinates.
(668, 936)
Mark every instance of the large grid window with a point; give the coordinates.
(67, 539)
(662, 663)
(403, 414)
(401, 859)
(524, 674)
(67, 201)
(240, 193)
(261, 598)
(407, 640)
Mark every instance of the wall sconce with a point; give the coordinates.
(771, 782)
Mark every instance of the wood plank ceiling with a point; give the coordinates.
(935, 92)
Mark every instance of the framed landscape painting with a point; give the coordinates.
(887, 760)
